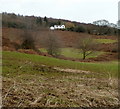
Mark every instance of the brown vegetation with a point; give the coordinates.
(12, 36)
(59, 90)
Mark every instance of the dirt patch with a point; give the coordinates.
(71, 70)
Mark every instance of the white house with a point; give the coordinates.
(52, 28)
(57, 27)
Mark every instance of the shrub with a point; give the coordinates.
(28, 42)
(80, 29)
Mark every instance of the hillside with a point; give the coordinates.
(67, 37)
(36, 23)
(71, 67)
(13, 37)
(38, 81)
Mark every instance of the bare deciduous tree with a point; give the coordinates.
(86, 45)
(52, 44)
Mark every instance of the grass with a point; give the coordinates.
(75, 53)
(26, 82)
(105, 41)
(17, 59)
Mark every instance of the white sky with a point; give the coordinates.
(76, 10)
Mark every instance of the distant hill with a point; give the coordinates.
(36, 23)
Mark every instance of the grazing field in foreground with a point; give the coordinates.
(101, 67)
(34, 81)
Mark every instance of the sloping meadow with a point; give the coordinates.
(33, 81)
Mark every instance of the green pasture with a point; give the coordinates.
(14, 61)
(75, 53)
(105, 41)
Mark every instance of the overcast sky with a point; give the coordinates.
(76, 10)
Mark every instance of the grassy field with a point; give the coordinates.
(31, 81)
(105, 41)
(21, 58)
(75, 53)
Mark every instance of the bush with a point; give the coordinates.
(80, 29)
(70, 29)
(12, 24)
(28, 42)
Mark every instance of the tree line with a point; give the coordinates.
(32, 22)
